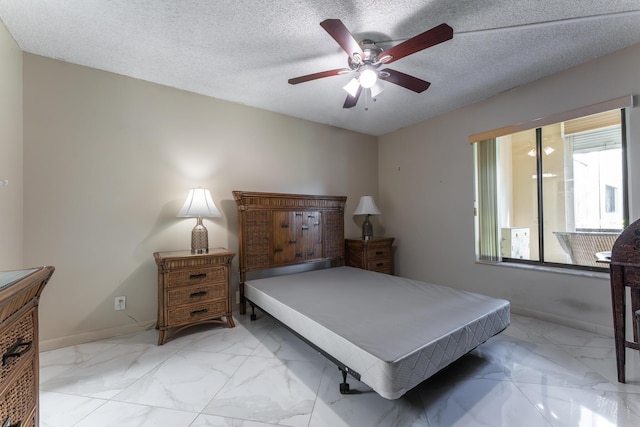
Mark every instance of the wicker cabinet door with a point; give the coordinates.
(297, 236)
(285, 225)
(310, 231)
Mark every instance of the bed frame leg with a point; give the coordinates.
(344, 385)
(253, 313)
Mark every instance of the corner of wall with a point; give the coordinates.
(11, 144)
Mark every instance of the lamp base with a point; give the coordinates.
(199, 238)
(367, 230)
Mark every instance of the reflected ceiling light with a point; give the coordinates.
(547, 150)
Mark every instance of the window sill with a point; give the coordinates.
(548, 269)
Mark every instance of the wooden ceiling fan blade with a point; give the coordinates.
(321, 74)
(405, 80)
(341, 34)
(351, 101)
(429, 38)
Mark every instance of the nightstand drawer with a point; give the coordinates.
(196, 276)
(193, 294)
(186, 314)
(381, 266)
(379, 252)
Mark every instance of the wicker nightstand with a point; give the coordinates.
(193, 289)
(375, 254)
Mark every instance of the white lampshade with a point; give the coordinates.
(376, 89)
(352, 87)
(199, 204)
(367, 206)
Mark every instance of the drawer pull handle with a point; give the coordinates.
(278, 250)
(305, 227)
(285, 226)
(298, 213)
(298, 255)
(379, 252)
(198, 276)
(292, 241)
(7, 423)
(198, 294)
(16, 350)
(197, 312)
(380, 264)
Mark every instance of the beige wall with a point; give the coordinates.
(108, 163)
(10, 152)
(426, 192)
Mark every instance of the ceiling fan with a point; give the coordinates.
(365, 58)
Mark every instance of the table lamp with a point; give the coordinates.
(367, 206)
(199, 204)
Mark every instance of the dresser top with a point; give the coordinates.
(9, 277)
(371, 240)
(188, 253)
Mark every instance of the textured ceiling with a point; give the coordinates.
(245, 50)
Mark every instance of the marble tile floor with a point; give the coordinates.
(258, 375)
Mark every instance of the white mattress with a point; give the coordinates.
(394, 332)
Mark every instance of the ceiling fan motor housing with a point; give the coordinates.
(371, 52)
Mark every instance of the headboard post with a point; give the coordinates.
(278, 230)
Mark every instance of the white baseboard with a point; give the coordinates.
(565, 321)
(97, 335)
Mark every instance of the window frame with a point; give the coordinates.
(622, 104)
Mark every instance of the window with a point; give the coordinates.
(554, 193)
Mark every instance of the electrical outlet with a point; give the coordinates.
(120, 303)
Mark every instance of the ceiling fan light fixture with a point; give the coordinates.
(376, 89)
(365, 59)
(368, 76)
(352, 87)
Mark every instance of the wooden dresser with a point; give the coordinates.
(193, 289)
(19, 294)
(375, 254)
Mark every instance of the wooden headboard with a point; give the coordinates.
(277, 230)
